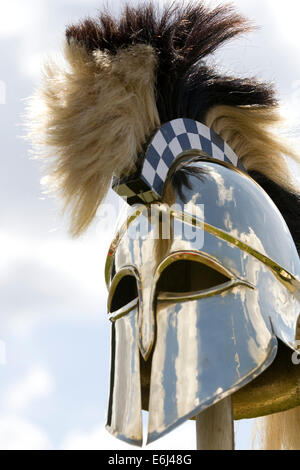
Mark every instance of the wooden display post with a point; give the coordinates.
(215, 428)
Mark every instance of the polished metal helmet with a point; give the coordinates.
(200, 288)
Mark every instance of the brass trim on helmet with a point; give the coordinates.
(124, 310)
(196, 295)
(201, 258)
(286, 278)
(191, 255)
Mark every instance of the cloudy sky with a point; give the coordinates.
(54, 335)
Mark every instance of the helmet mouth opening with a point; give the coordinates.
(145, 374)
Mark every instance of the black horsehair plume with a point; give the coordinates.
(125, 77)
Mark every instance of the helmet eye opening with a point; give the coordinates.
(123, 292)
(185, 276)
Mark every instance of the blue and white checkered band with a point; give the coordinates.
(168, 144)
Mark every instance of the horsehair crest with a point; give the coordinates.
(98, 115)
(126, 76)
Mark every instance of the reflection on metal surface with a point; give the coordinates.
(200, 340)
(205, 340)
(125, 407)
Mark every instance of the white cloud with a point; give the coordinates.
(52, 277)
(18, 17)
(182, 438)
(2, 92)
(287, 15)
(40, 26)
(38, 383)
(2, 353)
(19, 434)
(290, 110)
(78, 260)
(97, 439)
